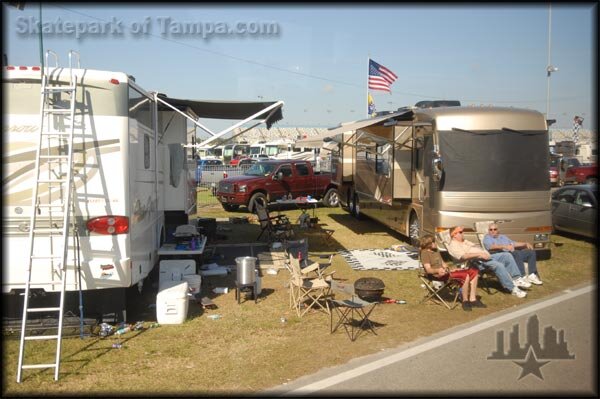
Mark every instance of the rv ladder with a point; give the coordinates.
(55, 197)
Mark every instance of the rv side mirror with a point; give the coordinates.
(437, 167)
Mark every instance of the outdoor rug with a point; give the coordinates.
(380, 259)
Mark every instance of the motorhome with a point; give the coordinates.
(132, 173)
(130, 170)
(421, 171)
(235, 151)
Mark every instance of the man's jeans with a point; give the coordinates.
(503, 265)
(525, 255)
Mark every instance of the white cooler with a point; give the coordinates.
(172, 302)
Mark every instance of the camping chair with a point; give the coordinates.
(347, 309)
(437, 288)
(307, 291)
(481, 229)
(298, 250)
(276, 227)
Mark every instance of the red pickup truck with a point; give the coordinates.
(270, 180)
(582, 174)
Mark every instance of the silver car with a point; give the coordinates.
(575, 210)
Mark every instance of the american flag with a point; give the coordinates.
(380, 78)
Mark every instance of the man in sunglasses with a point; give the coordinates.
(502, 264)
(521, 251)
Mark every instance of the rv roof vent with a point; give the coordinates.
(437, 103)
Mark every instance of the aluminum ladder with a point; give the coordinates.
(49, 234)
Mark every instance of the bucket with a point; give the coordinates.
(245, 270)
(194, 282)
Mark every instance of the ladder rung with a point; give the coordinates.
(52, 180)
(58, 134)
(54, 230)
(57, 89)
(38, 366)
(54, 157)
(57, 110)
(33, 310)
(50, 205)
(46, 257)
(40, 337)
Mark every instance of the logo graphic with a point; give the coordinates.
(532, 356)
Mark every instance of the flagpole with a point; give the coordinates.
(368, 65)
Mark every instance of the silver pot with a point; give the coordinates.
(245, 270)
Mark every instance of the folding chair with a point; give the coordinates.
(298, 250)
(277, 227)
(347, 309)
(306, 291)
(436, 292)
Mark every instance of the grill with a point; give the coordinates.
(369, 289)
(225, 187)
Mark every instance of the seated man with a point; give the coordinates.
(521, 251)
(502, 264)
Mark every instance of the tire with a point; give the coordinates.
(414, 229)
(355, 210)
(591, 180)
(258, 197)
(230, 207)
(331, 198)
(560, 183)
(349, 202)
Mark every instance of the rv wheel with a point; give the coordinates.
(414, 229)
(332, 198)
(355, 210)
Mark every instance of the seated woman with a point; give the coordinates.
(434, 265)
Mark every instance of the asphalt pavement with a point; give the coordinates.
(545, 347)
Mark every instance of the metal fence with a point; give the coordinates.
(209, 176)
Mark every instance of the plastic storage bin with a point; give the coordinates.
(175, 269)
(172, 302)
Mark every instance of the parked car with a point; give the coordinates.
(575, 210)
(584, 174)
(201, 172)
(259, 157)
(559, 165)
(246, 161)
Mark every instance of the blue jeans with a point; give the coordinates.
(503, 265)
(525, 255)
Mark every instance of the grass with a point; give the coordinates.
(249, 348)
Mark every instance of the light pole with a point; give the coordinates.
(550, 68)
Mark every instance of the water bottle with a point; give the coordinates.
(123, 330)
(117, 346)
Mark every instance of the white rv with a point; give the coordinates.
(425, 170)
(130, 172)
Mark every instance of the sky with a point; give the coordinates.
(316, 61)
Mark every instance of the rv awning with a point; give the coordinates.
(317, 140)
(225, 109)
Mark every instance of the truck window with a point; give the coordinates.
(286, 169)
(302, 169)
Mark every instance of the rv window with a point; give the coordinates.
(494, 161)
(382, 159)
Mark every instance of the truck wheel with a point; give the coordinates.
(591, 180)
(332, 198)
(258, 197)
(414, 229)
(230, 207)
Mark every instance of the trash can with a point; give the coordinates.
(208, 227)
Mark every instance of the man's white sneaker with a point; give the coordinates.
(534, 279)
(518, 293)
(522, 282)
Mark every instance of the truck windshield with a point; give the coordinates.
(494, 161)
(260, 169)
